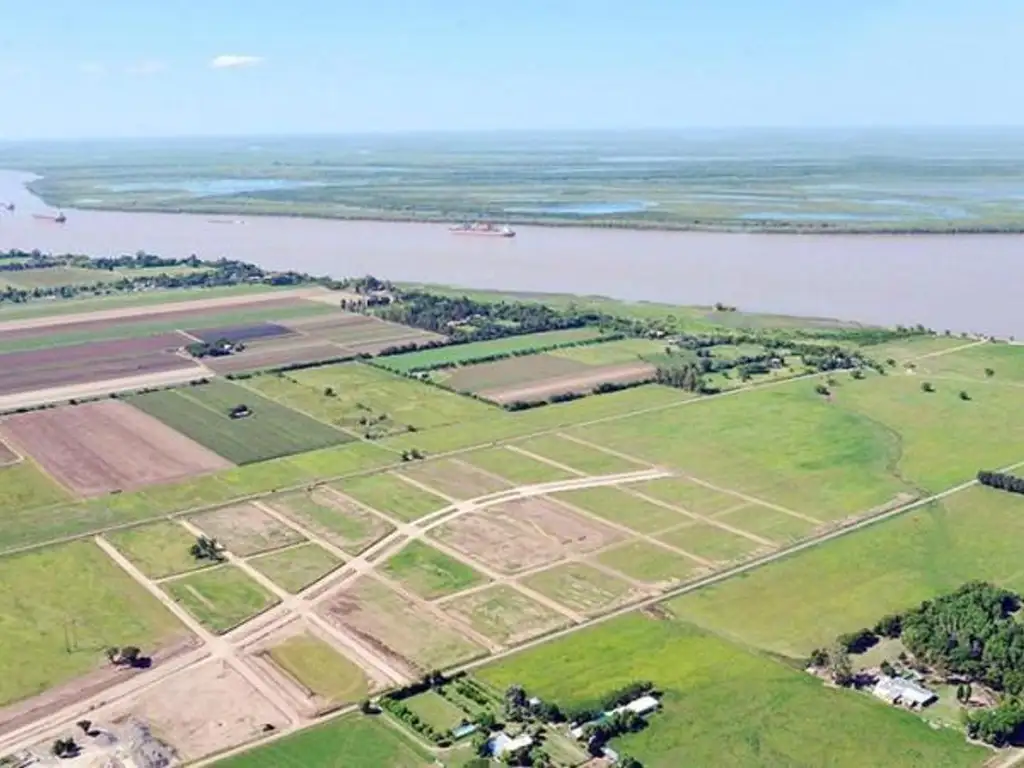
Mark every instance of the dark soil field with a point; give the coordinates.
(241, 332)
(106, 446)
(353, 331)
(83, 363)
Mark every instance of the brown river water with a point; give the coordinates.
(964, 283)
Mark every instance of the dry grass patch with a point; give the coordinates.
(456, 478)
(295, 568)
(582, 587)
(321, 670)
(335, 518)
(392, 496)
(504, 615)
(246, 529)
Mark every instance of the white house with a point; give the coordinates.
(897, 690)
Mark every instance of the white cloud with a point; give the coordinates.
(232, 61)
(147, 67)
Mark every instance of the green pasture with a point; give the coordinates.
(25, 486)
(583, 458)
(348, 526)
(271, 431)
(612, 352)
(649, 563)
(580, 587)
(514, 466)
(61, 607)
(392, 496)
(618, 506)
(295, 568)
(220, 598)
(722, 705)
(430, 573)
(434, 709)
(158, 549)
(320, 668)
(969, 367)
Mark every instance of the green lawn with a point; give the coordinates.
(320, 668)
(613, 352)
(904, 350)
(804, 601)
(158, 550)
(347, 525)
(430, 573)
(767, 523)
(709, 542)
(648, 563)
(435, 710)
(515, 467)
(466, 353)
(392, 496)
(295, 568)
(25, 486)
(220, 598)
(724, 706)
(354, 741)
(271, 431)
(368, 400)
(60, 607)
(617, 506)
(582, 458)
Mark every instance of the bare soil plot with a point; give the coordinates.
(396, 627)
(766, 522)
(220, 598)
(158, 550)
(335, 518)
(504, 614)
(245, 529)
(8, 455)
(617, 506)
(295, 568)
(511, 372)
(625, 373)
(524, 534)
(98, 361)
(455, 478)
(709, 542)
(391, 495)
(99, 447)
(210, 709)
(241, 333)
(583, 588)
(275, 355)
(653, 565)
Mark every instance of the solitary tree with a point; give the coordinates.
(328, 391)
(926, 386)
(839, 665)
(990, 372)
(964, 395)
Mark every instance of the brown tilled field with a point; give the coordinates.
(274, 353)
(456, 479)
(353, 330)
(581, 383)
(245, 529)
(83, 363)
(519, 535)
(105, 446)
(513, 372)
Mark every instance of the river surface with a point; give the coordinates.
(964, 283)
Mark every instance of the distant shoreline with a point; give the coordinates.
(781, 227)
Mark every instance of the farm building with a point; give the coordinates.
(897, 690)
(641, 706)
(502, 743)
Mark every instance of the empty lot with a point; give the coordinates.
(105, 446)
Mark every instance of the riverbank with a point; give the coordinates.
(940, 281)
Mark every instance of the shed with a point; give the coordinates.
(501, 743)
(643, 705)
(897, 690)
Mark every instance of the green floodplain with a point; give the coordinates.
(841, 495)
(839, 181)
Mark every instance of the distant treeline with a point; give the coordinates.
(1002, 481)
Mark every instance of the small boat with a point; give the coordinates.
(482, 229)
(60, 218)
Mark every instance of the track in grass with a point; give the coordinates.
(220, 598)
(272, 430)
(321, 669)
(428, 572)
(295, 568)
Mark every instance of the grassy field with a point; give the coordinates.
(709, 542)
(435, 710)
(50, 277)
(620, 507)
(25, 486)
(349, 526)
(580, 587)
(611, 353)
(320, 668)
(648, 563)
(904, 350)
(220, 598)
(458, 354)
(295, 568)
(515, 467)
(804, 601)
(349, 742)
(245, 529)
(722, 705)
(367, 399)
(504, 614)
(582, 458)
(969, 365)
(61, 607)
(392, 496)
(271, 431)
(429, 573)
(158, 550)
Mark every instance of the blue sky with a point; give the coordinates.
(144, 67)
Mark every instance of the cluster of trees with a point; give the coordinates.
(564, 397)
(1002, 481)
(128, 656)
(998, 726)
(413, 454)
(598, 734)
(65, 748)
(220, 348)
(684, 375)
(206, 548)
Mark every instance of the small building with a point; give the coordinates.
(641, 706)
(533, 701)
(501, 743)
(897, 690)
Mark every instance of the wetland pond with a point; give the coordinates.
(961, 282)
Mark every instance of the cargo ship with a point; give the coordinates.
(60, 218)
(482, 229)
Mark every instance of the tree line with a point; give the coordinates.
(1002, 481)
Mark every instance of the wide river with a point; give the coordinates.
(965, 283)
